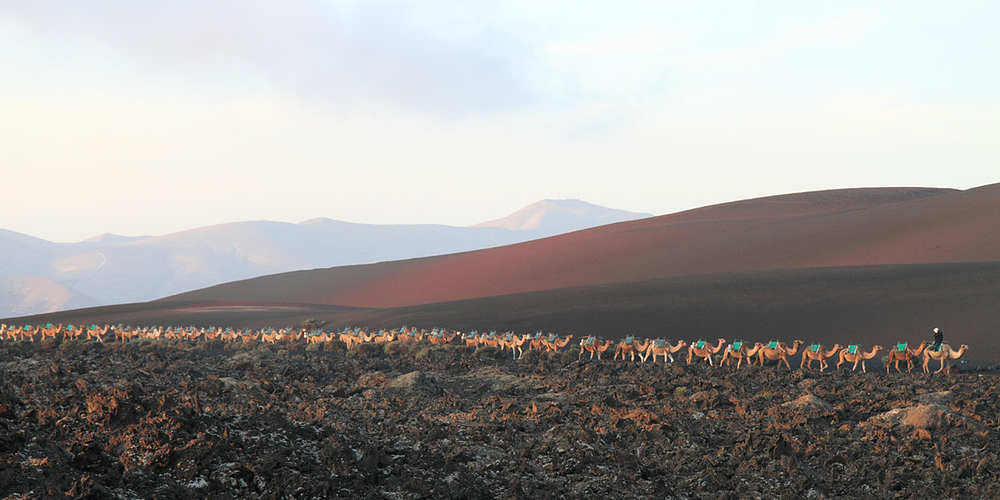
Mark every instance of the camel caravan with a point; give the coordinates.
(775, 353)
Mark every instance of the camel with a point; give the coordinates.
(51, 331)
(441, 337)
(817, 352)
(661, 347)
(777, 351)
(738, 350)
(631, 346)
(229, 336)
(554, 344)
(944, 354)
(471, 339)
(319, 337)
(854, 354)
(514, 343)
(535, 342)
(356, 337)
(490, 340)
(703, 349)
(594, 346)
(96, 332)
(125, 333)
(410, 335)
(72, 332)
(902, 352)
(384, 336)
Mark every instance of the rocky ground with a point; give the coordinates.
(171, 419)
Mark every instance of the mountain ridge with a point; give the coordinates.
(113, 269)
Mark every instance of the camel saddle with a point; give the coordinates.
(590, 340)
(737, 345)
(815, 347)
(773, 344)
(901, 347)
(852, 349)
(659, 343)
(699, 344)
(629, 339)
(552, 338)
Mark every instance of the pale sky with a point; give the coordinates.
(151, 117)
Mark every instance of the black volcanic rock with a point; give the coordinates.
(266, 421)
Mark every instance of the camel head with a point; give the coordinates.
(871, 354)
(790, 350)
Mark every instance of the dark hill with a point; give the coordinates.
(825, 229)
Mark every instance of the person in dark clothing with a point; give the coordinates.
(938, 338)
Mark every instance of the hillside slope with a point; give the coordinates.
(857, 227)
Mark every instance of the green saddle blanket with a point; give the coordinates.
(700, 344)
(901, 347)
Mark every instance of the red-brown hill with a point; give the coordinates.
(855, 227)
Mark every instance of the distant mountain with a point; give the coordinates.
(561, 216)
(38, 276)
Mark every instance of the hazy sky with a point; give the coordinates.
(135, 117)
